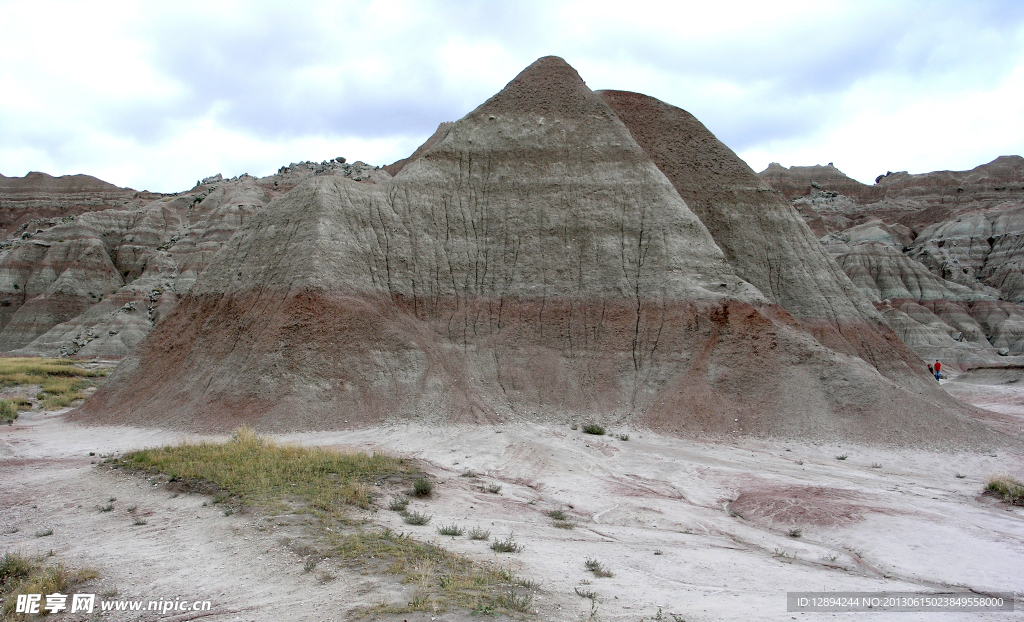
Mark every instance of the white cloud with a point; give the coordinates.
(156, 95)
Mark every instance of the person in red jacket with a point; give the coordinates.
(938, 367)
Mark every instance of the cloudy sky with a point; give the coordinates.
(154, 95)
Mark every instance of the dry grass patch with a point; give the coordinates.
(61, 382)
(20, 574)
(255, 471)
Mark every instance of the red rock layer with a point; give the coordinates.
(270, 359)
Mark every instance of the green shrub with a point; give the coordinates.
(593, 428)
(423, 487)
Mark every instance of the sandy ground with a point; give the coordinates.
(698, 530)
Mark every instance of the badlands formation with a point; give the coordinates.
(556, 255)
(539, 260)
(939, 254)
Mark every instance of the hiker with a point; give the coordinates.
(938, 367)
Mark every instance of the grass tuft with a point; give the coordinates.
(842, 457)
(42, 533)
(564, 524)
(1006, 488)
(597, 568)
(494, 488)
(585, 593)
(451, 530)
(477, 533)
(415, 518)
(398, 503)
(796, 532)
(508, 545)
(558, 515)
(594, 428)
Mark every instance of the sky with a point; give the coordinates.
(155, 95)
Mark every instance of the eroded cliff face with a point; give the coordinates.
(942, 254)
(95, 282)
(534, 261)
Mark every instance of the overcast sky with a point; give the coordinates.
(155, 95)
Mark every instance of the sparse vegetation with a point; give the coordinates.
(20, 574)
(139, 521)
(451, 530)
(508, 545)
(796, 532)
(42, 533)
(593, 428)
(623, 437)
(585, 593)
(960, 476)
(398, 503)
(494, 488)
(423, 487)
(564, 524)
(468, 473)
(514, 602)
(597, 568)
(253, 471)
(842, 457)
(477, 533)
(415, 518)
(106, 508)
(131, 509)
(558, 515)
(61, 382)
(1006, 488)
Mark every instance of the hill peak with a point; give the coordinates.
(549, 86)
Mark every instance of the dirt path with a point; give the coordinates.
(698, 530)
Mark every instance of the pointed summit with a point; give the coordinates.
(549, 87)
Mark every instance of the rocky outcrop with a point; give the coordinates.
(944, 249)
(537, 262)
(37, 200)
(95, 284)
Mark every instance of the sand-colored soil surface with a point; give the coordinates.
(699, 530)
